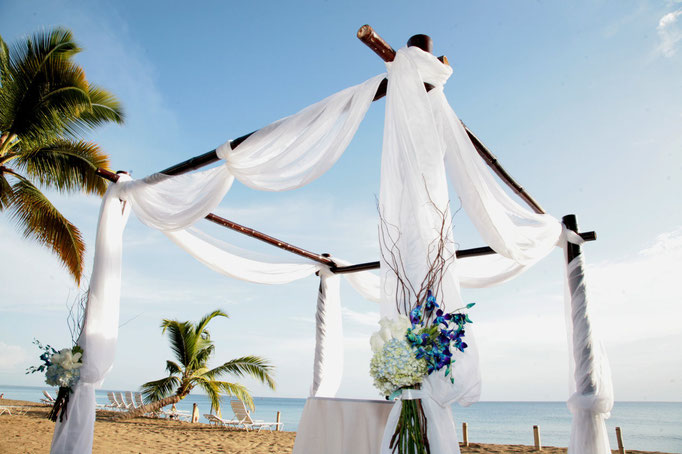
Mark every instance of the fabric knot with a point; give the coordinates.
(430, 69)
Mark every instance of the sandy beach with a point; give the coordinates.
(31, 432)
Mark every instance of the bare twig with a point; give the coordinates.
(440, 255)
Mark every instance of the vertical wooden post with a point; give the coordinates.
(465, 434)
(278, 416)
(571, 223)
(619, 437)
(536, 438)
(195, 413)
(584, 386)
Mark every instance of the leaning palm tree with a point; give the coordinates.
(46, 104)
(193, 347)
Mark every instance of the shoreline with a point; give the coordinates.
(31, 432)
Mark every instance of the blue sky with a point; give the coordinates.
(581, 102)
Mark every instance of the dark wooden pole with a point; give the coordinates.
(571, 223)
(461, 254)
(111, 176)
(587, 386)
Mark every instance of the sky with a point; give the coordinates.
(581, 102)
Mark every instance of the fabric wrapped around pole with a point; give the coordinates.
(328, 362)
(100, 329)
(591, 387)
(296, 150)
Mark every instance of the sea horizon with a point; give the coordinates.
(646, 425)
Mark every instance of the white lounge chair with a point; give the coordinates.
(178, 415)
(129, 400)
(138, 400)
(48, 398)
(113, 403)
(215, 420)
(118, 398)
(244, 418)
(17, 409)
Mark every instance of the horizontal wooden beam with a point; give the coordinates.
(111, 176)
(461, 253)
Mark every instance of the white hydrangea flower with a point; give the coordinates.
(396, 366)
(399, 326)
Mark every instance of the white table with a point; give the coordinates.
(341, 426)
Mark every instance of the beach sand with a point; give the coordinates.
(32, 433)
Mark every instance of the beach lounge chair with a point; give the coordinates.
(138, 400)
(122, 403)
(113, 403)
(48, 398)
(178, 415)
(244, 418)
(129, 400)
(5, 410)
(217, 421)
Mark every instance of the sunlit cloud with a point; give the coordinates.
(670, 33)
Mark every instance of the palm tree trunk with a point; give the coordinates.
(149, 408)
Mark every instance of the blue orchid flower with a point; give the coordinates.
(431, 303)
(416, 316)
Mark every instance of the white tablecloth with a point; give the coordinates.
(341, 426)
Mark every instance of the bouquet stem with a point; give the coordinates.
(410, 435)
(60, 404)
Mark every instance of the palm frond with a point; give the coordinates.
(30, 209)
(201, 326)
(205, 353)
(236, 390)
(4, 61)
(254, 366)
(54, 43)
(212, 391)
(159, 389)
(173, 368)
(44, 96)
(177, 332)
(105, 108)
(66, 165)
(5, 191)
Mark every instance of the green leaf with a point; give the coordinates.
(470, 305)
(30, 209)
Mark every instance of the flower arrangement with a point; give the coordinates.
(62, 368)
(408, 349)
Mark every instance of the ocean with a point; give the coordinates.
(646, 426)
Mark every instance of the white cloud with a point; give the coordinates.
(670, 33)
(11, 356)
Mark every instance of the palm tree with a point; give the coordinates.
(193, 347)
(46, 103)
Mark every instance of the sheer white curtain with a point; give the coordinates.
(100, 329)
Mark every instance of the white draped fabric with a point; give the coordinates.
(591, 387)
(296, 150)
(328, 362)
(100, 330)
(422, 138)
(424, 146)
